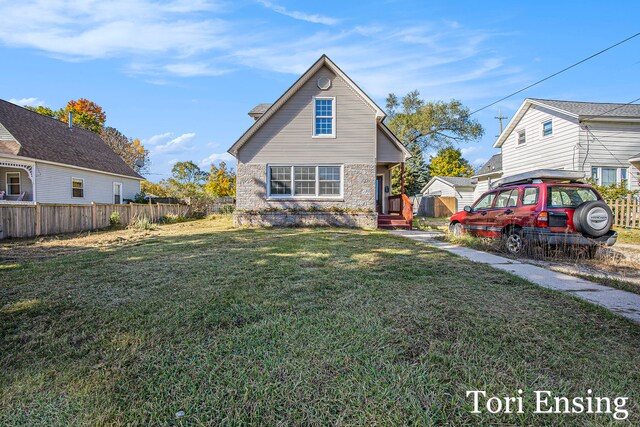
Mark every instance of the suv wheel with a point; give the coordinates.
(514, 242)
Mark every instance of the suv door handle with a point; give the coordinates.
(508, 211)
(483, 213)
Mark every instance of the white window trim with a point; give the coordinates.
(618, 174)
(333, 117)
(115, 183)
(6, 182)
(518, 132)
(542, 128)
(317, 196)
(77, 179)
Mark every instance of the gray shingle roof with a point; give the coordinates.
(457, 181)
(594, 108)
(259, 109)
(494, 164)
(44, 138)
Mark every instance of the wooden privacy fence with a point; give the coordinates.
(626, 212)
(29, 220)
(436, 206)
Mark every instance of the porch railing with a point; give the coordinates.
(401, 204)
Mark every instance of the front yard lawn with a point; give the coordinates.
(292, 326)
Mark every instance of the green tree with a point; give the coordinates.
(45, 111)
(130, 150)
(416, 173)
(449, 162)
(186, 179)
(613, 191)
(221, 181)
(426, 126)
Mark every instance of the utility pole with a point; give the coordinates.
(500, 117)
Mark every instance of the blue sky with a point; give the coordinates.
(182, 75)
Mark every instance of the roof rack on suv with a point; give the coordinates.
(539, 176)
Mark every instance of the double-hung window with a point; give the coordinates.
(324, 114)
(522, 137)
(13, 183)
(305, 181)
(77, 187)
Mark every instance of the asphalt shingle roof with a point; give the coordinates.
(457, 181)
(494, 164)
(594, 108)
(44, 138)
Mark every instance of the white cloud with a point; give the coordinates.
(159, 39)
(155, 139)
(468, 150)
(216, 158)
(31, 102)
(95, 29)
(302, 16)
(164, 143)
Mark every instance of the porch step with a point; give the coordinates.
(393, 222)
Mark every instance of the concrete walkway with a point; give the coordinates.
(624, 303)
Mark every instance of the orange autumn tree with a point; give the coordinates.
(86, 114)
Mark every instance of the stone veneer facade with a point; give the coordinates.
(296, 219)
(359, 190)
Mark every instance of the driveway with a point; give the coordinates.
(623, 303)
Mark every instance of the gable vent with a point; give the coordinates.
(324, 83)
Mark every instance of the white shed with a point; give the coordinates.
(451, 186)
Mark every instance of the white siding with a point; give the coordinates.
(481, 187)
(287, 135)
(465, 198)
(556, 151)
(463, 195)
(53, 185)
(610, 144)
(440, 188)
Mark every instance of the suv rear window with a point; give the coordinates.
(569, 196)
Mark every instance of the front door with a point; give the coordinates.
(379, 194)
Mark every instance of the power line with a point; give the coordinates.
(556, 73)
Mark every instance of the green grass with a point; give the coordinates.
(293, 326)
(630, 236)
(431, 224)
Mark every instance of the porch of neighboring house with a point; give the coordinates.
(394, 211)
(17, 183)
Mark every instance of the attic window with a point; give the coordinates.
(522, 137)
(324, 117)
(547, 128)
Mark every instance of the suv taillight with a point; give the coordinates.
(542, 220)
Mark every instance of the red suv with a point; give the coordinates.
(538, 211)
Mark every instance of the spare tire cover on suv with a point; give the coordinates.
(593, 218)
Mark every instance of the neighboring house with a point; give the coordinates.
(488, 173)
(322, 146)
(451, 186)
(602, 140)
(45, 160)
